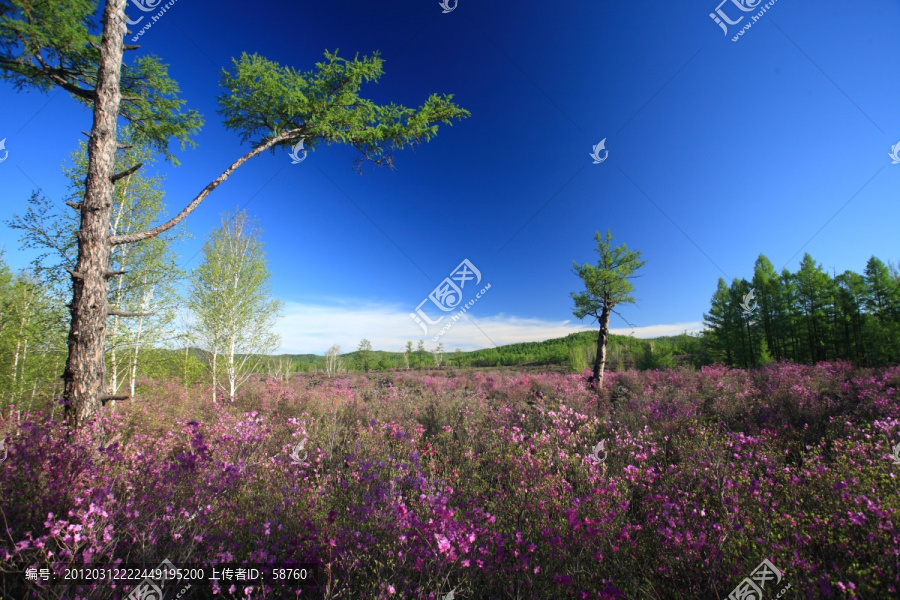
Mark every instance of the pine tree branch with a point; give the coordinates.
(132, 238)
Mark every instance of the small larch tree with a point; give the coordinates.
(607, 285)
(51, 44)
(420, 354)
(230, 296)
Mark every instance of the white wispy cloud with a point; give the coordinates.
(313, 328)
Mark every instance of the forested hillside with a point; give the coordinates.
(807, 316)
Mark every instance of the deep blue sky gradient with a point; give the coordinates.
(718, 151)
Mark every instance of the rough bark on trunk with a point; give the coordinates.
(602, 339)
(85, 366)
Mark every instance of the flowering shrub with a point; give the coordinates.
(416, 485)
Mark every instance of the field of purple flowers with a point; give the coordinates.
(483, 484)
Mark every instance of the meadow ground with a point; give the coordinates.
(413, 485)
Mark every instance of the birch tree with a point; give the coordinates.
(333, 361)
(31, 336)
(52, 44)
(365, 354)
(407, 353)
(231, 298)
(438, 355)
(141, 292)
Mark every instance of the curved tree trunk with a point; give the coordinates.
(85, 367)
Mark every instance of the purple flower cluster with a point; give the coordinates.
(412, 486)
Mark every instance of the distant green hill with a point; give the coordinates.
(572, 353)
(575, 351)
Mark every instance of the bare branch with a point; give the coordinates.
(75, 274)
(56, 76)
(86, 133)
(75, 205)
(126, 173)
(106, 398)
(620, 316)
(122, 313)
(131, 47)
(132, 238)
(111, 274)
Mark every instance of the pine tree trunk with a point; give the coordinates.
(602, 340)
(85, 367)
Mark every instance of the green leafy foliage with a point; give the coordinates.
(48, 43)
(231, 298)
(265, 100)
(32, 340)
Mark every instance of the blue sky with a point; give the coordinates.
(718, 151)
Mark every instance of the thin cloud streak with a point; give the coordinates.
(313, 328)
